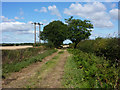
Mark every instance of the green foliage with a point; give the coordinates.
(72, 45)
(89, 71)
(9, 56)
(54, 33)
(107, 47)
(78, 30)
(50, 45)
(16, 66)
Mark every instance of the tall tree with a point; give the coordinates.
(55, 33)
(78, 30)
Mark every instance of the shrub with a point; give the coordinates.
(49, 45)
(72, 45)
(107, 47)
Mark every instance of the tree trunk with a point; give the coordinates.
(75, 45)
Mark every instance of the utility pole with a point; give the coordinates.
(39, 31)
(34, 32)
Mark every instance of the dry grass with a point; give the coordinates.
(14, 47)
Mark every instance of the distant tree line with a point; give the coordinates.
(15, 44)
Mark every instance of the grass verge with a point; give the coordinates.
(72, 75)
(15, 67)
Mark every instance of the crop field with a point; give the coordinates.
(14, 47)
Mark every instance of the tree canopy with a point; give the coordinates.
(78, 30)
(75, 30)
(55, 33)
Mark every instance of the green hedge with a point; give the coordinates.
(107, 47)
(96, 72)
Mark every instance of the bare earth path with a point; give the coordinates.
(53, 78)
(40, 75)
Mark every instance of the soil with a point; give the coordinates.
(51, 79)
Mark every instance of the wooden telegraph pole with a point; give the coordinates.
(39, 31)
(35, 31)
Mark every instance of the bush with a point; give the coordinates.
(50, 45)
(86, 46)
(107, 47)
(72, 45)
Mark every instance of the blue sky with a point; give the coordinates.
(18, 16)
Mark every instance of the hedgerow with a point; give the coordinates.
(96, 72)
(106, 47)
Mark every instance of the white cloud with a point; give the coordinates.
(36, 10)
(43, 9)
(113, 5)
(54, 11)
(95, 11)
(18, 27)
(21, 11)
(5, 19)
(111, 0)
(22, 17)
(16, 17)
(114, 13)
(30, 22)
(45, 22)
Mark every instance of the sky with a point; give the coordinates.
(17, 18)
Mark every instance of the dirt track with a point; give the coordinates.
(14, 47)
(29, 77)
